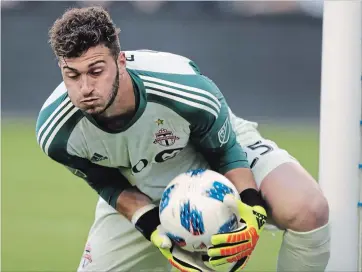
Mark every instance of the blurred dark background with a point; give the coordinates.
(265, 56)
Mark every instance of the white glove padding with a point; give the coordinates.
(193, 258)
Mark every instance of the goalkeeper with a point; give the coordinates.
(129, 122)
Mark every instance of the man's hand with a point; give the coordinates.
(147, 221)
(181, 260)
(231, 251)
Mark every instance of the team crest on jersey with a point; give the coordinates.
(87, 257)
(165, 137)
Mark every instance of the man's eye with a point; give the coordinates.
(73, 76)
(96, 72)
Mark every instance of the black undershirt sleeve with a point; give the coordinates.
(108, 182)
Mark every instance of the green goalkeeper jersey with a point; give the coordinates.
(181, 123)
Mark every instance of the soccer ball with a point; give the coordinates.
(191, 209)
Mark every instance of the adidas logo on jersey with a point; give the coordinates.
(97, 157)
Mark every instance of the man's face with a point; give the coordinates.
(92, 79)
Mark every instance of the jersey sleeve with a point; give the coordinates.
(54, 126)
(108, 182)
(212, 133)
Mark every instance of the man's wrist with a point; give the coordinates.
(146, 220)
(252, 198)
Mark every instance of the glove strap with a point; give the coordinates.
(252, 198)
(146, 220)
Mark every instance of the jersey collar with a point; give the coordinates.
(140, 95)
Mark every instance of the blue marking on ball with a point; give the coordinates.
(229, 225)
(191, 219)
(166, 197)
(218, 191)
(177, 239)
(195, 172)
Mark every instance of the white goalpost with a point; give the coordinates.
(340, 130)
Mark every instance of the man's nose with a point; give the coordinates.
(86, 87)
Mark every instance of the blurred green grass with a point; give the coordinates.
(47, 212)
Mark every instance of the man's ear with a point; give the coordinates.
(121, 60)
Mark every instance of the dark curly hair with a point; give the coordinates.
(82, 28)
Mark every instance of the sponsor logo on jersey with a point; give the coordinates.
(224, 133)
(167, 154)
(97, 157)
(165, 137)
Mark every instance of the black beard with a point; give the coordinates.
(114, 122)
(112, 97)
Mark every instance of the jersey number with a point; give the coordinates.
(264, 149)
(130, 58)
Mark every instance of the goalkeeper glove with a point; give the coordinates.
(147, 221)
(232, 250)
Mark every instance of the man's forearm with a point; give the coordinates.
(131, 200)
(138, 209)
(242, 178)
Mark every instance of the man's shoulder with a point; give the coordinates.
(56, 120)
(160, 62)
(193, 97)
(176, 82)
